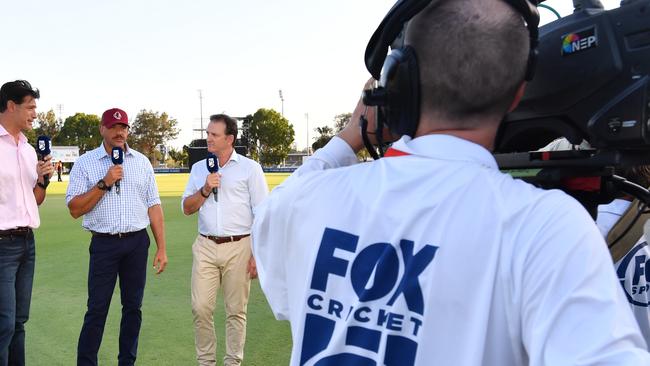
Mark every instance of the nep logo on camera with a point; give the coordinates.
(634, 274)
(573, 43)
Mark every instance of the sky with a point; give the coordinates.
(88, 56)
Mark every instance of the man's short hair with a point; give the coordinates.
(231, 124)
(472, 57)
(16, 91)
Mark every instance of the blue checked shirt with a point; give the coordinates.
(115, 213)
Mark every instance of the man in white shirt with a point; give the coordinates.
(431, 256)
(222, 250)
(633, 270)
(631, 267)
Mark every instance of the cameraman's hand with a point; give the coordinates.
(115, 173)
(352, 131)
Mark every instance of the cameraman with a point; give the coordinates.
(628, 242)
(633, 267)
(432, 256)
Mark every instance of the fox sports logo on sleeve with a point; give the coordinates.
(633, 272)
(365, 302)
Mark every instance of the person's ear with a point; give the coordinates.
(11, 106)
(518, 95)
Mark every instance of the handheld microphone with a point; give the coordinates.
(43, 147)
(212, 163)
(118, 158)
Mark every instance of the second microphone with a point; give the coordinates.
(212, 163)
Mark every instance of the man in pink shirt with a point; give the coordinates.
(22, 189)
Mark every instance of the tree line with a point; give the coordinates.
(271, 136)
(148, 130)
(325, 134)
(267, 135)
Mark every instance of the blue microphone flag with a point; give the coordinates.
(43, 145)
(212, 162)
(117, 155)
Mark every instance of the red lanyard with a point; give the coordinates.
(394, 152)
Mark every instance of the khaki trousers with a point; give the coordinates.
(220, 266)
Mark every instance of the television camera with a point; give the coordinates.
(592, 83)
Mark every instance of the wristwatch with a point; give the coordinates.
(102, 185)
(204, 196)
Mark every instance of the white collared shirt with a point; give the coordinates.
(633, 269)
(437, 258)
(243, 187)
(115, 213)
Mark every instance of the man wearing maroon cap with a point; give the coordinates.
(118, 202)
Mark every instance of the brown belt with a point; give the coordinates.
(225, 239)
(19, 231)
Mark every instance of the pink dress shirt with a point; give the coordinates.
(17, 181)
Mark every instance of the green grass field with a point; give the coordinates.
(167, 337)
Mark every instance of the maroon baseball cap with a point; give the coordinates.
(114, 116)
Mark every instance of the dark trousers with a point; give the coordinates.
(16, 278)
(110, 257)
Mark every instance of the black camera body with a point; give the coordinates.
(591, 82)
